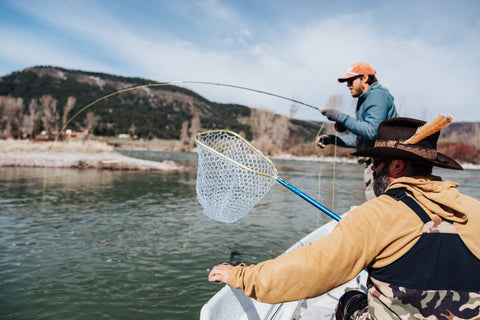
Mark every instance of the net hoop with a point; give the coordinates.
(196, 138)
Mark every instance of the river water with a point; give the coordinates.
(136, 245)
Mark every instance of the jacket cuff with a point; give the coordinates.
(342, 118)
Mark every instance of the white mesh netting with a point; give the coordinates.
(225, 189)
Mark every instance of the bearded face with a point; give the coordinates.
(381, 180)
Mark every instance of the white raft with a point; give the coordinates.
(232, 304)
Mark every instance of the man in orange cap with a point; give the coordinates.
(374, 104)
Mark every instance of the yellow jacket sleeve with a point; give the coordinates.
(312, 269)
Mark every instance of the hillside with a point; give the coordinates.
(40, 102)
(43, 99)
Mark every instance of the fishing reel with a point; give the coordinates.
(340, 127)
(235, 258)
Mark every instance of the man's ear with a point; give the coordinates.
(397, 168)
(364, 84)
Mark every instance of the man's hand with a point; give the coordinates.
(331, 114)
(220, 273)
(322, 141)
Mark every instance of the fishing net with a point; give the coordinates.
(232, 175)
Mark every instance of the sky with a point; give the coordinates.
(425, 52)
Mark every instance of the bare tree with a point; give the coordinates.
(280, 130)
(293, 109)
(476, 135)
(334, 101)
(50, 116)
(68, 107)
(265, 145)
(261, 122)
(195, 125)
(132, 129)
(4, 116)
(269, 130)
(184, 136)
(13, 116)
(91, 120)
(34, 110)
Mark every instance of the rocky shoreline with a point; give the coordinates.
(80, 156)
(109, 161)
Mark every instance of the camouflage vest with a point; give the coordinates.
(439, 278)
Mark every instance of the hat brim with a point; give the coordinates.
(441, 160)
(347, 76)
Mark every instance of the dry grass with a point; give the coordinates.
(71, 146)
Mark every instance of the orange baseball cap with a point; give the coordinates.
(357, 69)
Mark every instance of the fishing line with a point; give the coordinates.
(316, 147)
(334, 173)
(317, 150)
(166, 83)
(319, 192)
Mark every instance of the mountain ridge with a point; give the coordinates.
(45, 98)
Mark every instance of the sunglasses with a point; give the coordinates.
(376, 162)
(350, 80)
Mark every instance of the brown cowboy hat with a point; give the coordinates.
(391, 135)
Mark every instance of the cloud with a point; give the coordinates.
(298, 59)
(430, 78)
(217, 10)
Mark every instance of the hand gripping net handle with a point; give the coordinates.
(233, 176)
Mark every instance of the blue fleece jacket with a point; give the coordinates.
(373, 106)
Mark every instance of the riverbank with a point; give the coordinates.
(97, 154)
(75, 154)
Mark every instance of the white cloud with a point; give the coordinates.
(216, 9)
(430, 79)
(302, 60)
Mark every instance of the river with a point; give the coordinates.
(136, 245)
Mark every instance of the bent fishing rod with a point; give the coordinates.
(249, 89)
(165, 84)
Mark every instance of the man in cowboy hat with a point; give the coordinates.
(418, 240)
(374, 104)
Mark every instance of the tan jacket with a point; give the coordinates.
(374, 234)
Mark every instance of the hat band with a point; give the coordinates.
(430, 154)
